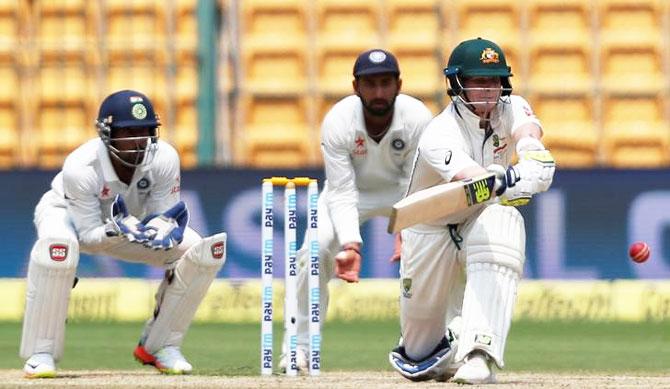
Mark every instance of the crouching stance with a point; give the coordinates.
(118, 195)
(467, 266)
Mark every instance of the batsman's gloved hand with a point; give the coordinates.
(517, 184)
(166, 230)
(123, 224)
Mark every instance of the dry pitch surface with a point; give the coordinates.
(150, 379)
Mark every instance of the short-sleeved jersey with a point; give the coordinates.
(88, 184)
(454, 140)
(362, 174)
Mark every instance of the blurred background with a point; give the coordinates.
(245, 83)
(242, 86)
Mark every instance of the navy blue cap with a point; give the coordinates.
(376, 61)
(128, 108)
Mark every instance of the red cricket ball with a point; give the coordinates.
(639, 252)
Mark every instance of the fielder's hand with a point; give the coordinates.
(397, 248)
(348, 262)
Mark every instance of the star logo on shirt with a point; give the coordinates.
(104, 192)
(360, 146)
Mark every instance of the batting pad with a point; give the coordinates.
(495, 258)
(53, 263)
(181, 292)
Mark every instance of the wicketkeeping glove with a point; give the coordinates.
(167, 230)
(123, 224)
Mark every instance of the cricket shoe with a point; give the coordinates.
(476, 370)
(40, 365)
(301, 361)
(167, 360)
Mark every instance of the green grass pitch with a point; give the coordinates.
(233, 349)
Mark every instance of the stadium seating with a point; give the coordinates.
(275, 133)
(274, 49)
(185, 134)
(65, 28)
(635, 134)
(12, 14)
(345, 29)
(135, 29)
(498, 21)
(596, 72)
(569, 129)
(9, 136)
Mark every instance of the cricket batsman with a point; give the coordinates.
(118, 195)
(469, 263)
(368, 141)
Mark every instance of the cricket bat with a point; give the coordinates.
(441, 200)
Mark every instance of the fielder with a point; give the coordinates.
(368, 142)
(467, 266)
(94, 206)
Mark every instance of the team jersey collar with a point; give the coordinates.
(395, 120)
(471, 121)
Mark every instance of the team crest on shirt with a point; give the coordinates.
(360, 148)
(398, 144)
(143, 183)
(406, 287)
(499, 145)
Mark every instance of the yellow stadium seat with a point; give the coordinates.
(564, 24)
(185, 137)
(348, 24)
(269, 24)
(61, 130)
(635, 134)
(421, 71)
(11, 16)
(274, 47)
(636, 70)
(10, 83)
(144, 77)
(335, 71)
(569, 129)
(64, 28)
(276, 132)
(9, 136)
(64, 84)
(135, 29)
(626, 23)
(186, 82)
(277, 71)
(186, 28)
(560, 70)
(498, 21)
(413, 24)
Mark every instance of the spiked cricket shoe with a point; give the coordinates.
(168, 360)
(40, 365)
(476, 370)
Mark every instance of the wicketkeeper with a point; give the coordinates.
(118, 195)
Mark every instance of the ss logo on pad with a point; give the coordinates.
(58, 252)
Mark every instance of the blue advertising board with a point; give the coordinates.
(580, 229)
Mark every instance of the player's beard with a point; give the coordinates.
(380, 109)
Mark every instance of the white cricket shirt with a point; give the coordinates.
(361, 174)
